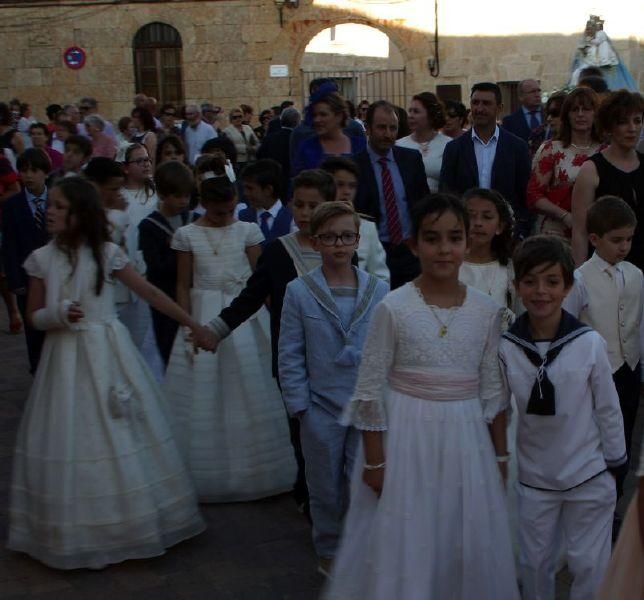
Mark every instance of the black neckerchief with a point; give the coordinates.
(542, 396)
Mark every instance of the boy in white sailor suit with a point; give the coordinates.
(608, 295)
(570, 435)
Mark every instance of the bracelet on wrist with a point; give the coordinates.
(503, 459)
(368, 467)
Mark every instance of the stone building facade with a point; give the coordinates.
(227, 47)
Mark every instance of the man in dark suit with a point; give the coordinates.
(277, 145)
(489, 157)
(392, 180)
(528, 119)
(24, 229)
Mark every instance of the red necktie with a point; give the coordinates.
(391, 208)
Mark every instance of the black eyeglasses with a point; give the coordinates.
(235, 116)
(85, 107)
(554, 113)
(140, 161)
(348, 238)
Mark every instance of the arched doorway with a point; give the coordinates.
(158, 63)
(363, 61)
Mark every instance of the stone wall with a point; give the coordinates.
(229, 45)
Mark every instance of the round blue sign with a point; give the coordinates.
(74, 57)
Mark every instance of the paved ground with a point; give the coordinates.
(251, 551)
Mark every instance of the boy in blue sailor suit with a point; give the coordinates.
(570, 434)
(324, 323)
(262, 181)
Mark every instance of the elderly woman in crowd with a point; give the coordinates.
(102, 144)
(328, 114)
(617, 170)
(557, 163)
(244, 138)
(553, 114)
(455, 119)
(426, 116)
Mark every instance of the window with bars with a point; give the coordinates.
(158, 63)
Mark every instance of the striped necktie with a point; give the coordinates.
(39, 214)
(391, 208)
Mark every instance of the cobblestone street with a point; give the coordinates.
(250, 551)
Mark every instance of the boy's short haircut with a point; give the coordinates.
(334, 164)
(608, 213)
(264, 172)
(34, 158)
(39, 126)
(173, 178)
(101, 169)
(329, 210)
(317, 179)
(543, 251)
(81, 142)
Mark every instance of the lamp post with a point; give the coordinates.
(280, 7)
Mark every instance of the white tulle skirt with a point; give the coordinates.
(440, 529)
(228, 416)
(97, 478)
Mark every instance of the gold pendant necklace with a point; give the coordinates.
(444, 325)
(215, 247)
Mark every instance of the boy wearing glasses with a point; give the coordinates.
(324, 322)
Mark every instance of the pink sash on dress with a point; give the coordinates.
(436, 385)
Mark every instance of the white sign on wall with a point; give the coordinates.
(279, 70)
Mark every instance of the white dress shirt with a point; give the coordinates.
(485, 153)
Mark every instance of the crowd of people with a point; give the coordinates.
(208, 318)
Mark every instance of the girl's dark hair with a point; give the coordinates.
(209, 162)
(101, 169)
(86, 224)
(433, 108)
(146, 118)
(503, 243)
(171, 140)
(148, 183)
(225, 144)
(438, 204)
(403, 122)
(216, 190)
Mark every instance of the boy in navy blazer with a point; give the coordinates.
(262, 182)
(24, 229)
(323, 327)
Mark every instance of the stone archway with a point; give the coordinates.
(305, 23)
(363, 61)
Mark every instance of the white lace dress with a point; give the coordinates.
(440, 528)
(497, 281)
(97, 478)
(229, 418)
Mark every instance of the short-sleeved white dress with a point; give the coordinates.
(229, 418)
(440, 527)
(97, 478)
